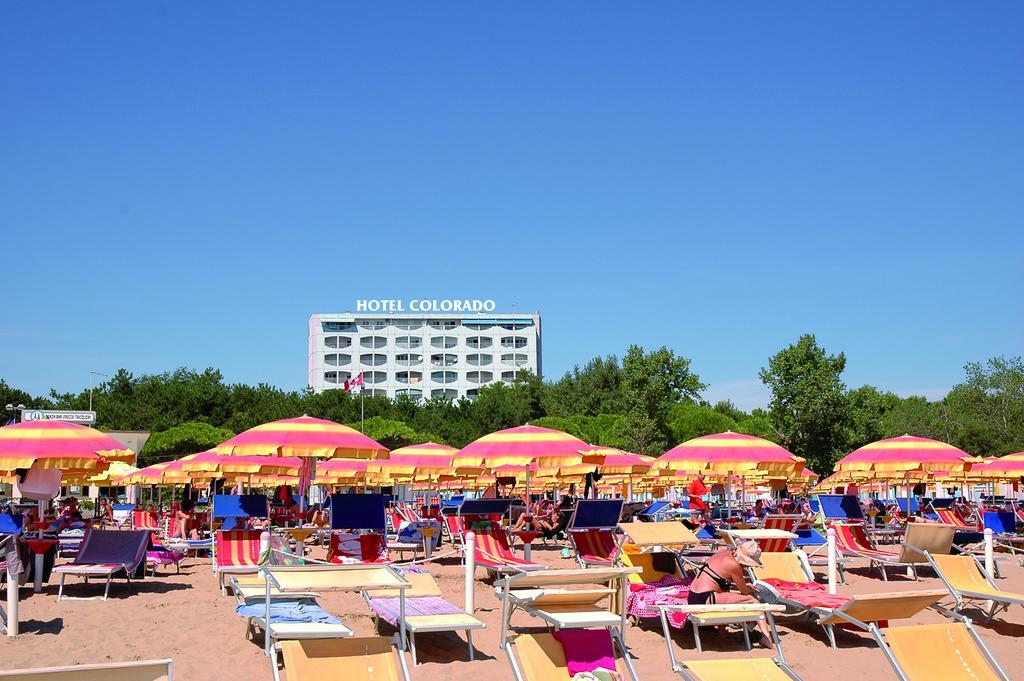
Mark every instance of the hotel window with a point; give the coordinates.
(409, 376)
(408, 324)
(408, 342)
(480, 360)
(336, 376)
(338, 327)
(375, 376)
(373, 359)
(511, 342)
(509, 376)
(444, 360)
(443, 376)
(472, 394)
(371, 392)
(373, 324)
(517, 326)
(337, 341)
(373, 341)
(478, 326)
(517, 359)
(337, 360)
(444, 324)
(445, 342)
(408, 359)
(444, 393)
(479, 342)
(479, 376)
(414, 393)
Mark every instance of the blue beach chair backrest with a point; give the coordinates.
(815, 505)
(453, 502)
(1000, 522)
(239, 506)
(124, 507)
(707, 532)
(915, 506)
(941, 503)
(10, 524)
(808, 537)
(596, 513)
(840, 507)
(655, 508)
(485, 506)
(358, 512)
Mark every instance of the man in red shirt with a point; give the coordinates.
(698, 490)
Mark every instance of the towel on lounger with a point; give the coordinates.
(305, 610)
(388, 608)
(586, 649)
(807, 594)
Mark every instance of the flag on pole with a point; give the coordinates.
(355, 385)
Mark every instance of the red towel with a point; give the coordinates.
(808, 594)
(586, 649)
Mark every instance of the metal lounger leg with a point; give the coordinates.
(469, 641)
(831, 632)
(746, 636)
(106, 587)
(412, 647)
(696, 637)
(626, 659)
(60, 589)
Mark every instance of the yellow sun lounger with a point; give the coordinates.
(712, 615)
(951, 651)
(760, 669)
(540, 657)
(424, 586)
(967, 580)
(350, 659)
(144, 670)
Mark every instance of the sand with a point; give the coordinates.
(184, 617)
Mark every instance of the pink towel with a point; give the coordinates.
(586, 649)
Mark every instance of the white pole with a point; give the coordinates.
(469, 555)
(12, 602)
(831, 540)
(990, 560)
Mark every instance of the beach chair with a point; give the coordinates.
(839, 508)
(967, 580)
(145, 520)
(320, 578)
(104, 554)
(656, 548)
(762, 668)
(235, 510)
(727, 670)
(541, 657)
(786, 579)
(143, 670)
(952, 516)
(592, 599)
(591, 531)
(235, 552)
(951, 651)
(851, 540)
(350, 659)
(783, 523)
(426, 611)
(1004, 530)
(122, 515)
(359, 522)
(493, 552)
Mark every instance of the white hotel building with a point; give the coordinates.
(422, 355)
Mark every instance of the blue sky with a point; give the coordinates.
(183, 185)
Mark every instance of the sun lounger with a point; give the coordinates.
(426, 610)
(762, 669)
(851, 540)
(236, 552)
(143, 670)
(591, 531)
(105, 553)
(319, 578)
(122, 514)
(951, 651)
(540, 657)
(493, 553)
(951, 516)
(351, 659)
(359, 530)
(786, 578)
(844, 508)
(784, 523)
(967, 580)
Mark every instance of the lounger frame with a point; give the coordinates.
(879, 636)
(517, 672)
(961, 596)
(71, 672)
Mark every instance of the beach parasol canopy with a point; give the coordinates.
(896, 456)
(306, 437)
(521, 446)
(213, 463)
(59, 444)
(1009, 467)
(111, 476)
(612, 461)
(730, 453)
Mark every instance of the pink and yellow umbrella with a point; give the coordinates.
(306, 437)
(522, 446)
(896, 456)
(59, 444)
(612, 461)
(213, 463)
(1009, 467)
(730, 453)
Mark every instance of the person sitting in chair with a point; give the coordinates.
(724, 569)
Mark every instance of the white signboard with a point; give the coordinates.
(58, 415)
(425, 305)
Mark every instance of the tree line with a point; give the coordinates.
(646, 401)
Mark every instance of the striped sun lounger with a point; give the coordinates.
(236, 552)
(492, 552)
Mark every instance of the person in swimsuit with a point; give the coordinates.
(724, 569)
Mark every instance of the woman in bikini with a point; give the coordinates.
(724, 569)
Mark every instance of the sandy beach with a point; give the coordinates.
(183, 617)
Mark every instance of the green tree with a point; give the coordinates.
(986, 411)
(653, 382)
(177, 441)
(594, 389)
(867, 408)
(808, 406)
(689, 420)
(391, 434)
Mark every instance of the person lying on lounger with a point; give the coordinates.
(720, 572)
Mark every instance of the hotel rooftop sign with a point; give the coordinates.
(425, 305)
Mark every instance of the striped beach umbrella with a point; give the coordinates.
(212, 462)
(521, 446)
(59, 444)
(896, 456)
(612, 461)
(1009, 467)
(305, 437)
(730, 453)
